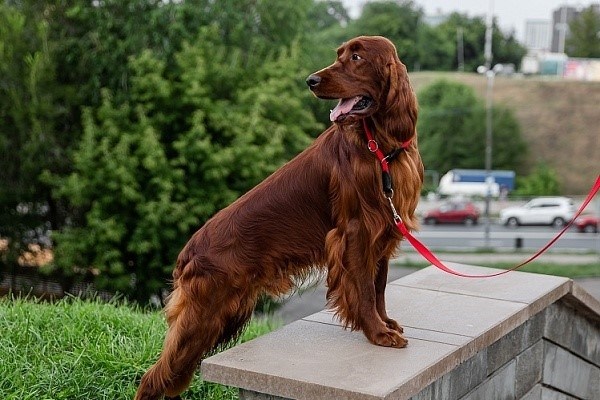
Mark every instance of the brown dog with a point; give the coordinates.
(323, 209)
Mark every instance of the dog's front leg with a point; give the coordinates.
(351, 285)
(380, 284)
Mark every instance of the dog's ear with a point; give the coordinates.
(401, 102)
(394, 78)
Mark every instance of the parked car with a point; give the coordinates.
(453, 212)
(555, 211)
(587, 223)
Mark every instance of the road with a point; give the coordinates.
(459, 237)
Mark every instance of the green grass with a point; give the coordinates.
(75, 349)
(569, 271)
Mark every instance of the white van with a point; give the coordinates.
(472, 182)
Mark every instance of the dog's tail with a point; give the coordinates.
(203, 312)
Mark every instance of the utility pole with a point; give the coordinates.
(487, 51)
(562, 29)
(488, 126)
(460, 49)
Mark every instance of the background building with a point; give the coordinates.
(537, 35)
(560, 27)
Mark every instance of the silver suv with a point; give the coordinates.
(555, 211)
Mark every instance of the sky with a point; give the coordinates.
(510, 14)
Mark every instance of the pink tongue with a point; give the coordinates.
(343, 107)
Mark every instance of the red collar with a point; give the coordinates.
(373, 147)
(384, 159)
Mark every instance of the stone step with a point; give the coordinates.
(465, 338)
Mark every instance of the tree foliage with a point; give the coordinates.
(543, 181)
(328, 14)
(27, 145)
(398, 21)
(452, 130)
(128, 123)
(505, 47)
(584, 40)
(146, 187)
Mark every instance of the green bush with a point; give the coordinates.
(543, 181)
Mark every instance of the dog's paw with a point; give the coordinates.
(389, 338)
(393, 325)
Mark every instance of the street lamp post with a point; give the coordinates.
(490, 74)
(489, 142)
(488, 152)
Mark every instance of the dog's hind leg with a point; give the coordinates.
(202, 313)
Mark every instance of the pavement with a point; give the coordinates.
(310, 298)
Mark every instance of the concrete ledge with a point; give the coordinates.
(484, 331)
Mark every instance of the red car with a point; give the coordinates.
(453, 212)
(587, 223)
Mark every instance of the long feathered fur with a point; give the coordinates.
(324, 209)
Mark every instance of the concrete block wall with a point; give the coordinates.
(553, 355)
(517, 336)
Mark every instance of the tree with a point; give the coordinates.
(543, 181)
(473, 37)
(27, 143)
(584, 40)
(436, 50)
(452, 130)
(144, 188)
(509, 147)
(506, 49)
(55, 57)
(80, 80)
(398, 21)
(422, 46)
(445, 124)
(327, 13)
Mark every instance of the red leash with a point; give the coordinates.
(428, 255)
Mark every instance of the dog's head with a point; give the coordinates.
(367, 78)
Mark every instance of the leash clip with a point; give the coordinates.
(397, 218)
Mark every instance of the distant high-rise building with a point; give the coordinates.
(537, 34)
(560, 27)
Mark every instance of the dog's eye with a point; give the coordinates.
(355, 57)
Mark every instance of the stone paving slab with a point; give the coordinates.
(447, 320)
(509, 287)
(309, 360)
(327, 317)
(435, 311)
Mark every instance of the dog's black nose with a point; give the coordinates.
(313, 80)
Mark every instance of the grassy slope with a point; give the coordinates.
(559, 120)
(74, 349)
